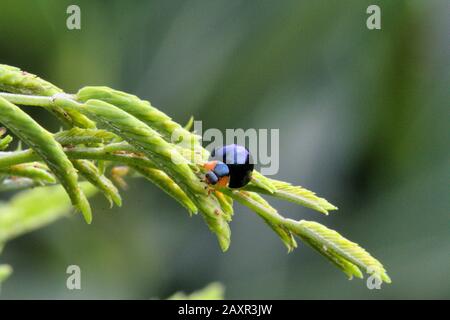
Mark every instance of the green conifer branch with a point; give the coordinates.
(110, 135)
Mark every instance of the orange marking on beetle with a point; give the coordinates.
(210, 165)
(223, 182)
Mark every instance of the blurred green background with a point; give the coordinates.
(363, 118)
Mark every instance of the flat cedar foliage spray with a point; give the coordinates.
(109, 135)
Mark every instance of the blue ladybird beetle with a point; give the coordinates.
(230, 165)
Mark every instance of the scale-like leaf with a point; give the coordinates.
(226, 204)
(14, 80)
(77, 135)
(4, 141)
(260, 181)
(89, 171)
(32, 170)
(336, 246)
(296, 194)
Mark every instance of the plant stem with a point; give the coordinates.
(117, 152)
(11, 158)
(30, 100)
